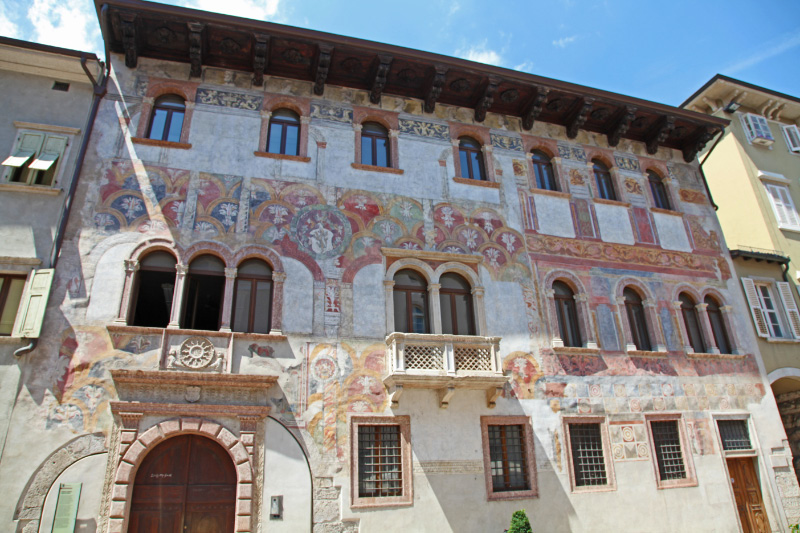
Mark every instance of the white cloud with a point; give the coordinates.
(7, 26)
(251, 9)
(564, 41)
(482, 54)
(455, 6)
(65, 24)
(768, 50)
(525, 66)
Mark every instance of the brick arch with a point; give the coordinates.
(638, 286)
(31, 502)
(125, 473)
(258, 252)
(566, 276)
(281, 104)
(547, 146)
(691, 291)
(479, 133)
(208, 247)
(596, 153)
(714, 293)
(154, 245)
(301, 106)
(387, 119)
(184, 89)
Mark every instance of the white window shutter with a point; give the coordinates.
(759, 319)
(792, 134)
(783, 206)
(790, 306)
(33, 304)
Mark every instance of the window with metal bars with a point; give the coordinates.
(667, 443)
(734, 435)
(380, 469)
(588, 462)
(507, 454)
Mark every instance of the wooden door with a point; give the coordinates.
(747, 493)
(187, 484)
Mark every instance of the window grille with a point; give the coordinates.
(380, 471)
(734, 435)
(667, 442)
(587, 455)
(507, 454)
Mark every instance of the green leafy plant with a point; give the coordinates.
(794, 528)
(520, 523)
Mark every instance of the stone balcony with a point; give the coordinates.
(443, 363)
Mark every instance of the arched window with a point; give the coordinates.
(252, 307)
(166, 122)
(718, 325)
(605, 185)
(636, 319)
(410, 303)
(543, 170)
(374, 145)
(692, 323)
(205, 287)
(568, 327)
(455, 302)
(155, 286)
(284, 133)
(659, 190)
(471, 158)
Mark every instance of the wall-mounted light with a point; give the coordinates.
(732, 107)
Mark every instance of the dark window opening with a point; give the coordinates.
(605, 184)
(636, 319)
(11, 288)
(60, 86)
(667, 442)
(455, 302)
(204, 294)
(410, 302)
(588, 462)
(718, 325)
(374, 145)
(567, 313)
(692, 323)
(284, 133)
(380, 469)
(659, 190)
(156, 284)
(507, 456)
(543, 170)
(734, 435)
(252, 308)
(166, 121)
(471, 158)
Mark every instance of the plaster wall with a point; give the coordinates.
(84, 472)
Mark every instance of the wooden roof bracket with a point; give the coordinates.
(127, 28)
(384, 63)
(534, 107)
(659, 133)
(697, 142)
(486, 99)
(619, 128)
(321, 67)
(195, 48)
(260, 58)
(435, 88)
(579, 116)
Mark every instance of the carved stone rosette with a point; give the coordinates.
(196, 353)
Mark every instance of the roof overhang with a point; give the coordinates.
(144, 29)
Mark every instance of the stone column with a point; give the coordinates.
(276, 325)
(357, 135)
(687, 346)
(705, 325)
(656, 333)
(394, 152)
(585, 316)
(304, 124)
(434, 307)
(488, 162)
(177, 296)
(556, 340)
(131, 266)
(227, 299)
(727, 318)
(388, 291)
(480, 311)
(625, 324)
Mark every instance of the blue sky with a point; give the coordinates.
(657, 50)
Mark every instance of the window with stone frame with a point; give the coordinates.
(11, 288)
(718, 328)
(205, 287)
(773, 318)
(671, 454)
(155, 287)
(543, 171)
(38, 155)
(411, 302)
(691, 322)
(375, 145)
(588, 454)
(605, 183)
(284, 133)
(381, 461)
(471, 159)
(509, 461)
(166, 120)
(567, 315)
(658, 190)
(455, 305)
(637, 319)
(252, 304)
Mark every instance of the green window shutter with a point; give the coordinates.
(31, 142)
(34, 302)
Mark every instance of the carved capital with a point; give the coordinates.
(434, 287)
(279, 277)
(477, 291)
(182, 270)
(248, 424)
(388, 283)
(131, 265)
(230, 273)
(130, 420)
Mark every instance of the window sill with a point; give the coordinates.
(374, 168)
(31, 189)
(665, 211)
(512, 495)
(283, 157)
(547, 192)
(572, 350)
(781, 340)
(142, 330)
(647, 353)
(794, 229)
(695, 355)
(163, 144)
(611, 202)
(478, 183)
(11, 340)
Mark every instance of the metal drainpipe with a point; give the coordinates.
(703, 174)
(99, 90)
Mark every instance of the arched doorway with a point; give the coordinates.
(186, 484)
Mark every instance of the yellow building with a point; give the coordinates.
(753, 172)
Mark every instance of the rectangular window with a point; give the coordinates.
(670, 449)
(36, 158)
(756, 129)
(588, 454)
(381, 461)
(771, 314)
(783, 206)
(11, 288)
(508, 457)
(792, 134)
(734, 435)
